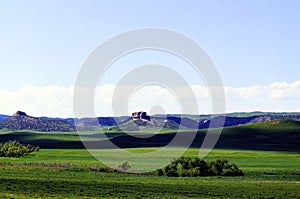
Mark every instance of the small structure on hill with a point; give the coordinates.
(140, 116)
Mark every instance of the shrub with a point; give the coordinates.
(231, 170)
(121, 168)
(103, 169)
(188, 167)
(124, 167)
(171, 170)
(15, 149)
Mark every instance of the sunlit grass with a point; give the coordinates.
(267, 175)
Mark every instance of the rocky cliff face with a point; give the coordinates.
(19, 113)
(140, 116)
(21, 121)
(141, 121)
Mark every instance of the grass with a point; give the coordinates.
(249, 160)
(79, 157)
(267, 175)
(58, 183)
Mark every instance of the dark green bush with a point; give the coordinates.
(188, 167)
(15, 149)
(103, 169)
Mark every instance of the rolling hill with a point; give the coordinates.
(3, 117)
(261, 132)
(20, 121)
(276, 135)
(186, 121)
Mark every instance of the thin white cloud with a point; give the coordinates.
(38, 101)
(57, 101)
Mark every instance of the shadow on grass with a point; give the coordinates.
(231, 138)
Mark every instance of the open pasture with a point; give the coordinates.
(66, 173)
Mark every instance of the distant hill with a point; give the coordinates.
(154, 122)
(21, 121)
(102, 121)
(277, 115)
(170, 121)
(3, 117)
(190, 121)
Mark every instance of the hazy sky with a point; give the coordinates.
(255, 46)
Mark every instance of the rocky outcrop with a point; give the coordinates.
(21, 121)
(261, 119)
(19, 113)
(140, 116)
(141, 124)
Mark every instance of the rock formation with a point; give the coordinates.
(19, 113)
(21, 121)
(140, 116)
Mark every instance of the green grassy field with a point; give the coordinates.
(63, 169)
(267, 175)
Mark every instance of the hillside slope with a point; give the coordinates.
(277, 135)
(3, 117)
(270, 135)
(20, 121)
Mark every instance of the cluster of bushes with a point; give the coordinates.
(184, 167)
(15, 149)
(188, 167)
(103, 169)
(124, 167)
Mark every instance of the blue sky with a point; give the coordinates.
(44, 43)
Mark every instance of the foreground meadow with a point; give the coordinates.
(67, 173)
